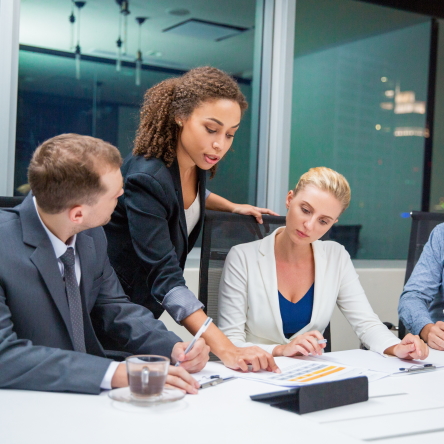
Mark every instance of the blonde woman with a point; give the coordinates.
(279, 292)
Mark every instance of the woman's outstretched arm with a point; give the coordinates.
(218, 203)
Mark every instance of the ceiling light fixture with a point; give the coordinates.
(79, 6)
(119, 54)
(153, 53)
(72, 20)
(204, 29)
(179, 12)
(124, 12)
(140, 21)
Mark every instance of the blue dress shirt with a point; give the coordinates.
(421, 302)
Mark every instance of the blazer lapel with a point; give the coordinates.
(267, 266)
(44, 258)
(87, 255)
(320, 265)
(175, 175)
(201, 177)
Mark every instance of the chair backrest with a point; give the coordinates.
(422, 225)
(9, 202)
(221, 232)
(346, 235)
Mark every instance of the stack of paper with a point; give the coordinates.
(369, 360)
(295, 372)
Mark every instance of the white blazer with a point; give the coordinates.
(249, 312)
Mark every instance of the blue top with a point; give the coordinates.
(295, 316)
(421, 302)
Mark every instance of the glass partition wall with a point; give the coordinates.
(359, 103)
(359, 92)
(100, 96)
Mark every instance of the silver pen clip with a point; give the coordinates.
(417, 368)
(215, 381)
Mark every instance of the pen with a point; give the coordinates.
(198, 335)
(215, 381)
(418, 368)
(320, 341)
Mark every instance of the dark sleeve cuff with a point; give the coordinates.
(180, 302)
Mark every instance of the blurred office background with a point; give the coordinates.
(359, 98)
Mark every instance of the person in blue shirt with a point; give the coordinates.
(421, 304)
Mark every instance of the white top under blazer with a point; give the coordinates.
(192, 214)
(249, 312)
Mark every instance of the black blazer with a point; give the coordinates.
(147, 235)
(36, 345)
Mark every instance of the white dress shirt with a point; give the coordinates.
(59, 250)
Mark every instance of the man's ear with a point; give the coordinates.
(337, 220)
(76, 214)
(288, 199)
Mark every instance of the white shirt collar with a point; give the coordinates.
(59, 246)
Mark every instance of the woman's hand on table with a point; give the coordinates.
(240, 358)
(250, 210)
(411, 347)
(237, 358)
(304, 345)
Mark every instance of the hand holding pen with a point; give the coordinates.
(193, 351)
(309, 343)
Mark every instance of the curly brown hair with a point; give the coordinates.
(158, 131)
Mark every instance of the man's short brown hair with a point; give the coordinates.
(66, 171)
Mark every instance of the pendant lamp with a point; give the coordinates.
(140, 21)
(79, 6)
(123, 17)
(72, 20)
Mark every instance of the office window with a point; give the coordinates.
(359, 101)
(437, 182)
(56, 96)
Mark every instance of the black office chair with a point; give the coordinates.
(422, 225)
(346, 235)
(221, 232)
(9, 202)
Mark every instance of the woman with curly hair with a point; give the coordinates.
(187, 124)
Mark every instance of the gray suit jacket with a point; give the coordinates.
(36, 344)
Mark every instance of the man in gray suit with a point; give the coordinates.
(61, 303)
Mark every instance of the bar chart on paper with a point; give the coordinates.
(306, 373)
(296, 372)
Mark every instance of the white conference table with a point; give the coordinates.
(402, 409)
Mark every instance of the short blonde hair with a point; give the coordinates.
(329, 180)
